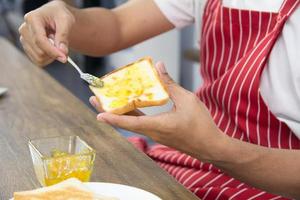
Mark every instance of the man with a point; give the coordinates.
(233, 123)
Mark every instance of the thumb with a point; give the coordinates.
(140, 124)
(175, 91)
(62, 39)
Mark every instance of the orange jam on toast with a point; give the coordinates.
(132, 84)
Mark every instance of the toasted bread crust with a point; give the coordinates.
(137, 103)
(69, 189)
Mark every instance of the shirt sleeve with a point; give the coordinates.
(180, 13)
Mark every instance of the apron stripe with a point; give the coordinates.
(231, 41)
(207, 60)
(179, 159)
(174, 173)
(222, 43)
(275, 198)
(250, 33)
(237, 193)
(279, 136)
(185, 175)
(207, 193)
(170, 168)
(289, 6)
(290, 139)
(207, 26)
(213, 76)
(257, 195)
(223, 59)
(187, 160)
(257, 139)
(206, 21)
(213, 180)
(269, 23)
(240, 36)
(227, 182)
(191, 177)
(221, 192)
(180, 171)
(197, 179)
(248, 106)
(241, 185)
(259, 29)
(269, 134)
(291, 10)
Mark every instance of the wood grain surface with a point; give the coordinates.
(37, 106)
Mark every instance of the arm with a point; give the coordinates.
(189, 128)
(93, 31)
(274, 170)
(116, 29)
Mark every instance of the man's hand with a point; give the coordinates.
(53, 20)
(187, 127)
(90, 31)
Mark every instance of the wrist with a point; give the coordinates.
(220, 152)
(229, 153)
(216, 149)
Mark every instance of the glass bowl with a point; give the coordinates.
(58, 158)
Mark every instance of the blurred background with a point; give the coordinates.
(178, 49)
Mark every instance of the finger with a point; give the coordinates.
(41, 40)
(95, 103)
(36, 54)
(141, 124)
(26, 38)
(38, 50)
(62, 33)
(175, 91)
(41, 62)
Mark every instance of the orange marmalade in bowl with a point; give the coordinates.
(62, 166)
(62, 157)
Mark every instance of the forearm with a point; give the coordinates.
(92, 36)
(274, 170)
(99, 31)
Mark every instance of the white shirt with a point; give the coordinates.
(280, 81)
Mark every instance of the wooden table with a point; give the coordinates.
(37, 106)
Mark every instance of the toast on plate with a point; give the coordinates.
(70, 189)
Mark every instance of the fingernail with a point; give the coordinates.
(100, 118)
(161, 67)
(93, 102)
(61, 59)
(51, 36)
(63, 47)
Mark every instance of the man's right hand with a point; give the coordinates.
(53, 20)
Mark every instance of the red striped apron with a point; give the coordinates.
(235, 45)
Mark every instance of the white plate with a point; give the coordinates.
(2, 90)
(123, 192)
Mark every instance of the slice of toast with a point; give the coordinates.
(70, 189)
(133, 86)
